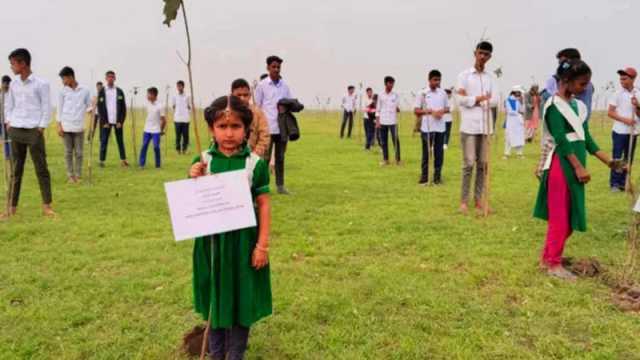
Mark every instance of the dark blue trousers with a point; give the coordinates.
(621, 151)
(384, 141)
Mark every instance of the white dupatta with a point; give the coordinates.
(576, 122)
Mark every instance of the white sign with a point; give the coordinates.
(211, 204)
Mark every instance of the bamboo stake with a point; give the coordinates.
(166, 133)
(487, 146)
(7, 168)
(133, 124)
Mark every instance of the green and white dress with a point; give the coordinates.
(565, 122)
(238, 294)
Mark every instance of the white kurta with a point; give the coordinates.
(515, 124)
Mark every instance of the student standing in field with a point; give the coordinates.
(238, 292)
(73, 102)
(532, 112)
(94, 106)
(561, 197)
(475, 90)
(181, 104)
(514, 123)
(348, 106)
(259, 137)
(369, 118)
(387, 109)
(624, 111)
(112, 109)
(448, 118)
(27, 115)
(269, 92)
(431, 105)
(4, 91)
(154, 127)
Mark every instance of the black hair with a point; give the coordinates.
(110, 72)
(274, 58)
(389, 79)
(434, 73)
(569, 53)
(22, 55)
(351, 87)
(217, 110)
(99, 83)
(572, 69)
(369, 89)
(448, 91)
(239, 83)
(67, 71)
(485, 45)
(153, 90)
(6, 79)
(180, 82)
(263, 76)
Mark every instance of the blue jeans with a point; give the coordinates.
(621, 151)
(384, 141)
(146, 138)
(5, 140)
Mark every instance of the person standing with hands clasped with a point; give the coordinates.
(27, 114)
(624, 111)
(238, 264)
(561, 196)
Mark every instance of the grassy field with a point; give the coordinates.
(366, 264)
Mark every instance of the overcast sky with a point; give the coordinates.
(326, 44)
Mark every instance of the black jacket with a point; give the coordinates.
(121, 107)
(287, 122)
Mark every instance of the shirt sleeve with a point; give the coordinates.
(417, 104)
(614, 100)
(163, 110)
(45, 106)
(259, 95)
(60, 105)
(8, 106)
(260, 178)
(555, 123)
(466, 101)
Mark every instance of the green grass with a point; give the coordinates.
(366, 264)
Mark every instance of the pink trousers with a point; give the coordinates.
(559, 223)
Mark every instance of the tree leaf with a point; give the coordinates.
(170, 10)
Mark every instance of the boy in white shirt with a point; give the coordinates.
(181, 108)
(73, 102)
(153, 127)
(348, 106)
(448, 118)
(624, 111)
(387, 110)
(431, 105)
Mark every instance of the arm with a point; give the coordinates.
(260, 256)
(613, 114)
(259, 96)
(45, 107)
(124, 108)
(59, 113)
(264, 138)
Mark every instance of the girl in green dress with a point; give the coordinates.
(561, 197)
(231, 280)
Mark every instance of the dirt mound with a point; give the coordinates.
(588, 267)
(627, 298)
(192, 341)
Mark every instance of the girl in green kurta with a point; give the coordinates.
(561, 199)
(232, 280)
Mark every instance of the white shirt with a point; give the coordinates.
(267, 96)
(155, 113)
(111, 97)
(624, 108)
(473, 118)
(27, 103)
(349, 102)
(180, 103)
(387, 108)
(448, 117)
(433, 100)
(365, 105)
(72, 106)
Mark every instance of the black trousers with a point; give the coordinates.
(347, 117)
(384, 141)
(369, 130)
(436, 141)
(105, 133)
(228, 344)
(182, 136)
(33, 141)
(447, 133)
(280, 148)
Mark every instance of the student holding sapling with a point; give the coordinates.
(238, 263)
(561, 197)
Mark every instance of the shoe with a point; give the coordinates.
(283, 191)
(616, 190)
(101, 164)
(437, 181)
(423, 182)
(561, 273)
(445, 147)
